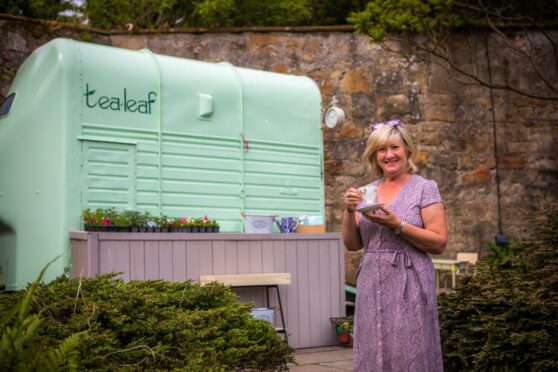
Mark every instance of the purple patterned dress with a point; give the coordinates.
(396, 315)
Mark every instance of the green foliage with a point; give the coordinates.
(505, 317)
(229, 13)
(420, 16)
(156, 325)
(45, 9)
(437, 17)
(149, 14)
(165, 14)
(19, 349)
(501, 255)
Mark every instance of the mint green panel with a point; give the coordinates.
(280, 108)
(36, 186)
(187, 86)
(108, 175)
(96, 126)
(283, 167)
(121, 102)
(286, 180)
(201, 154)
(111, 92)
(202, 176)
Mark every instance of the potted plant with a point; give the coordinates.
(121, 223)
(134, 220)
(344, 328)
(210, 225)
(88, 219)
(197, 225)
(184, 224)
(164, 223)
(174, 225)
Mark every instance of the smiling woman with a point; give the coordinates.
(396, 319)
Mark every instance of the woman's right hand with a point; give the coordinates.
(352, 198)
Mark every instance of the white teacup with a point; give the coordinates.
(368, 194)
(369, 199)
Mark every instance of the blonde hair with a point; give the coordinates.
(379, 137)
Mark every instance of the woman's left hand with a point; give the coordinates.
(387, 218)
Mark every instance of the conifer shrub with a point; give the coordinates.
(155, 325)
(505, 316)
(19, 350)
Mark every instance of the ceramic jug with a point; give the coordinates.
(287, 225)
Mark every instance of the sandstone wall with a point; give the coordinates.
(451, 122)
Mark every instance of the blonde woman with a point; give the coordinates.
(396, 316)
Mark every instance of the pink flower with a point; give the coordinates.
(106, 221)
(205, 218)
(184, 219)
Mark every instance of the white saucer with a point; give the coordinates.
(368, 208)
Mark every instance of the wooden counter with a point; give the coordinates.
(315, 262)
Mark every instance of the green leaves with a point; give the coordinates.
(19, 349)
(153, 325)
(505, 317)
(407, 16)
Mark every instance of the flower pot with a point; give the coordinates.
(344, 337)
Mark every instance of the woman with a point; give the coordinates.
(396, 317)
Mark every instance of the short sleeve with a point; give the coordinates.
(430, 194)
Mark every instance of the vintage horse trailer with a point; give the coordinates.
(88, 126)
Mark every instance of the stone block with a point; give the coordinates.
(135, 42)
(421, 159)
(281, 68)
(396, 105)
(355, 80)
(512, 161)
(437, 107)
(350, 130)
(477, 176)
(333, 167)
(264, 41)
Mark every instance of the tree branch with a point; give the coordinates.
(445, 56)
(521, 52)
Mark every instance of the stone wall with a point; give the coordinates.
(451, 122)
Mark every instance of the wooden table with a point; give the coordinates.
(448, 264)
(266, 280)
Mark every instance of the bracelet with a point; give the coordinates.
(398, 230)
(350, 211)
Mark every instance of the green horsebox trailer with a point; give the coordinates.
(92, 126)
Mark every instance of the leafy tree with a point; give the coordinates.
(45, 9)
(166, 14)
(333, 12)
(131, 14)
(505, 316)
(436, 20)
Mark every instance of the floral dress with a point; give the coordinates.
(396, 315)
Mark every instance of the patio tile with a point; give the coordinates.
(328, 359)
